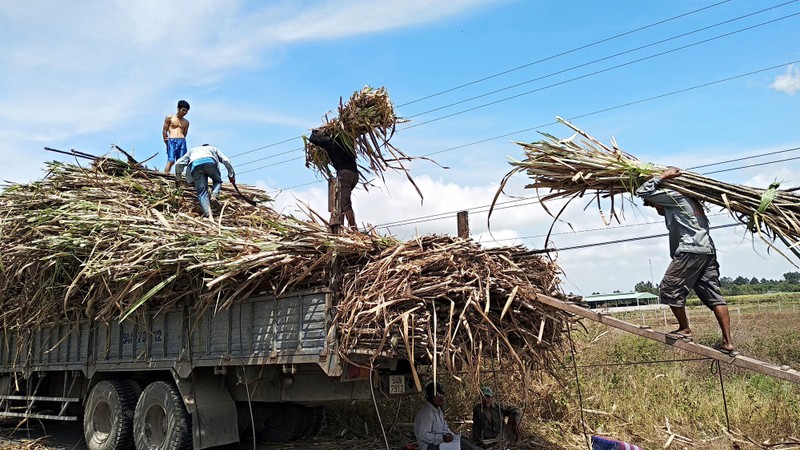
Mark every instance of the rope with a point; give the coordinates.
(635, 363)
(578, 384)
(715, 367)
(377, 411)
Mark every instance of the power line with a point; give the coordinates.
(273, 164)
(269, 157)
(597, 72)
(611, 108)
(743, 158)
(598, 60)
(582, 47)
(519, 202)
(567, 52)
(592, 113)
(591, 230)
(620, 241)
(752, 165)
(266, 146)
(569, 80)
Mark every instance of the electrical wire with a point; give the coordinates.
(269, 157)
(504, 72)
(612, 108)
(566, 52)
(534, 200)
(605, 58)
(597, 72)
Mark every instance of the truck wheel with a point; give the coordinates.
(161, 421)
(136, 390)
(108, 418)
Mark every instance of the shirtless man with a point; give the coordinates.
(174, 132)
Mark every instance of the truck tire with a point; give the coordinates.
(161, 421)
(285, 422)
(136, 390)
(108, 417)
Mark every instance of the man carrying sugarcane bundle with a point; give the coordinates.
(694, 259)
(343, 160)
(202, 163)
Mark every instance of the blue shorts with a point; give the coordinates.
(176, 147)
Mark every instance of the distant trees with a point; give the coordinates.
(792, 277)
(742, 285)
(646, 286)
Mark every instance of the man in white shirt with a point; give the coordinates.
(202, 163)
(430, 428)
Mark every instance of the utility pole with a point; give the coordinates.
(463, 224)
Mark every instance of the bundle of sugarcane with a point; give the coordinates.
(566, 169)
(101, 241)
(449, 302)
(365, 125)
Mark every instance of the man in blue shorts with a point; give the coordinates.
(694, 258)
(174, 132)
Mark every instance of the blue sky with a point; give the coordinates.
(91, 74)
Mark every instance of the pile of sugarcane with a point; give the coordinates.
(105, 240)
(365, 125)
(449, 302)
(566, 169)
(101, 241)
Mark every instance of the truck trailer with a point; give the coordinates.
(193, 378)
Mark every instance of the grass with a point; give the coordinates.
(637, 403)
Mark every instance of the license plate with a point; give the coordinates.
(397, 384)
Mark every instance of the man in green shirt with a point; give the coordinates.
(488, 419)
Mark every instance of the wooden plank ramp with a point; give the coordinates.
(782, 372)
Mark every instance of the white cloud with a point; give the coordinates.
(338, 19)
(788, 82)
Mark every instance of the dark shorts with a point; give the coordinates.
(346, 181)
(689, 271)
(176, 147)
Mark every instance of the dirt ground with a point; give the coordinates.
(68, 436)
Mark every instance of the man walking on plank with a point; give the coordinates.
(694, 258)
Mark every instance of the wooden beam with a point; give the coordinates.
(782, 372)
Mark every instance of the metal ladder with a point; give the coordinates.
(27, 406)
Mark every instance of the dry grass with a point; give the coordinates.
(635, 403)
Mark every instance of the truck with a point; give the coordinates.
(192, 377)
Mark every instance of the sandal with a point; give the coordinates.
(732, 353)
(678, 336)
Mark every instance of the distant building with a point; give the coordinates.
(625, 299)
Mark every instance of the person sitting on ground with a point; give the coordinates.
(202, 163)
(430, 428)
(488, 419)
(174, 132)
(343, 161)
(694, 259)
